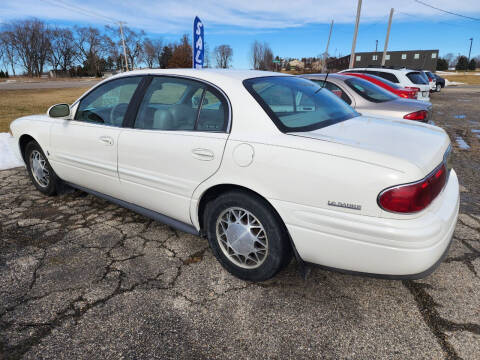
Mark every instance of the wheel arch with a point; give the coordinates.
(218, 189)
(22, 143)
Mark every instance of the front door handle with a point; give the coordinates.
(107, 140)
(203, 154)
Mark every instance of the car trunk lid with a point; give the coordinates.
(419, 144)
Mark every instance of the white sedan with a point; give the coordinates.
(265, 165)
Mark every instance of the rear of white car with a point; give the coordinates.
(418, 80)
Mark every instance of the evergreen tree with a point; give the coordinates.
(472, 65)
(442, 64)
(462, 63)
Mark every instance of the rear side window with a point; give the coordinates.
(183, 105)
(296, 104)
(388, 76)
(370, 91)
(417, 78)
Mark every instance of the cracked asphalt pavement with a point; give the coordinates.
(81, 278)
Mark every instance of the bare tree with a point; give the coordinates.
(261, 56)
(450, 59)
(30, 41)
(206, 55)
(91, 46)
(8, 50)
(223, 56)
(152, 50)
(133, 44)
(62, 50)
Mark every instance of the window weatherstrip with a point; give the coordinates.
(200, 106)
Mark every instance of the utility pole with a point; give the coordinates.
(325, 55)
(352, 53)
(470, 51)
(120, 23)
(388, 35)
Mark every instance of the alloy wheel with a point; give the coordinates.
(38, 167)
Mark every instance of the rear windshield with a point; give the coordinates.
(417, 78)
(370, 91)
(296, 104)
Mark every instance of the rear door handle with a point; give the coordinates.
(203, 154)
(107, 140)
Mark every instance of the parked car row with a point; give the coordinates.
(265, 165)
(364, 95)
(412, 79)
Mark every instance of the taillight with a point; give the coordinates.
(417, 115)
(410, 198)
(413, 88)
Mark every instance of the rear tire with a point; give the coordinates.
(39, 169)
(247, 236)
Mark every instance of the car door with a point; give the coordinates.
(176, 142)
(84, 149)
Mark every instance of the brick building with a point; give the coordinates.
(412, 59)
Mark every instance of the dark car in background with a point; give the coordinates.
(440, 82)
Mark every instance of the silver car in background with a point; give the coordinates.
(370, 99)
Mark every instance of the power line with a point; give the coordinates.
(75, 8)
(446, 11)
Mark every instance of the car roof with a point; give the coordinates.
(403, 70)
(216, 76)
(323, 76)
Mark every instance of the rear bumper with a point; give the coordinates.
(410, 248)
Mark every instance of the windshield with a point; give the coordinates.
(417, 78)
(296, 104)
(369, 91)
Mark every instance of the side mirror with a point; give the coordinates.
(59, 111)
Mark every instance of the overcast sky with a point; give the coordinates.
(294, 28)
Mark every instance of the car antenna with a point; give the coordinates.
(324, 82)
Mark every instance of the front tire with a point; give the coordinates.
(39, 169)
(247, 236)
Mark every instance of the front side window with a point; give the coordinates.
(369, 91)
(108, 103)
(296, 104)
(181, 104)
